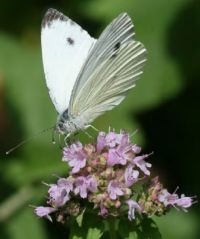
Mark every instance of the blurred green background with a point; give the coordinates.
(164, 106)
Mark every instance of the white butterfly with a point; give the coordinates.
(87, 77)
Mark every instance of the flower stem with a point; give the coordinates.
(111, 223)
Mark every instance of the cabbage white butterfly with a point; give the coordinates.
(85, 76)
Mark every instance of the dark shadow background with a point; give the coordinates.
(173, 127)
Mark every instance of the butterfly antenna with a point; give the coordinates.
(29, 139)
(53, 136)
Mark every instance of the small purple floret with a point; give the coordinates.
(103, 211)
(119, 155)
(114, 189)
(91, 184)
(167, 198)
(110, 140)
(75, 156)
(59, 193)
(101, 142)
(136, 149)
(132, 207)
(81, 187)
(85, 184)
(140, 163)
(184, 202)
(44, 212)
(131, 176)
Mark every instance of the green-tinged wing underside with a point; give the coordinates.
(118, 32)
(111, 69)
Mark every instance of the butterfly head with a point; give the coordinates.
(65, 125)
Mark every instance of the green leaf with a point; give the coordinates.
(127, 229)
(132, 235)
(76, 237)
(145, 229)
(79, 219)
(94, 233)
(92, 227)
(148, 229)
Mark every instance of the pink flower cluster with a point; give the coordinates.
(157, 200)
(106, 175)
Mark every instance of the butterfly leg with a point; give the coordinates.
(71, 138)
(86, 133)
(60, 144)
(67, 139)
(91, 126)
(111, 129)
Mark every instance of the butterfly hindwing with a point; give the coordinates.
(106, 80)
(118, 32)
(65, 47)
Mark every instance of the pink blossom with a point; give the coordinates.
(75, 156)
(184, 202)
(133, 205)
(103, 211)
(101, 141)
(91, 184)
(81, 186)
(136, 149)
(66, 183)
(131, 176)
(58, 195)
(110, 140)
(113, 139)
(114, 189)
(44, 212)
(85, 184)
(140, 163)
(119, 155)
(167, 198)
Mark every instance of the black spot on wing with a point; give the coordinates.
(115, 50)
(117, 46)
(51, 15)
(70, 41)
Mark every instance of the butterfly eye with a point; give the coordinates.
(65, 114)
(60, 126)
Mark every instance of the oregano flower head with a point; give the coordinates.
(112, 177)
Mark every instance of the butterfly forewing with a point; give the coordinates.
(65, 47)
